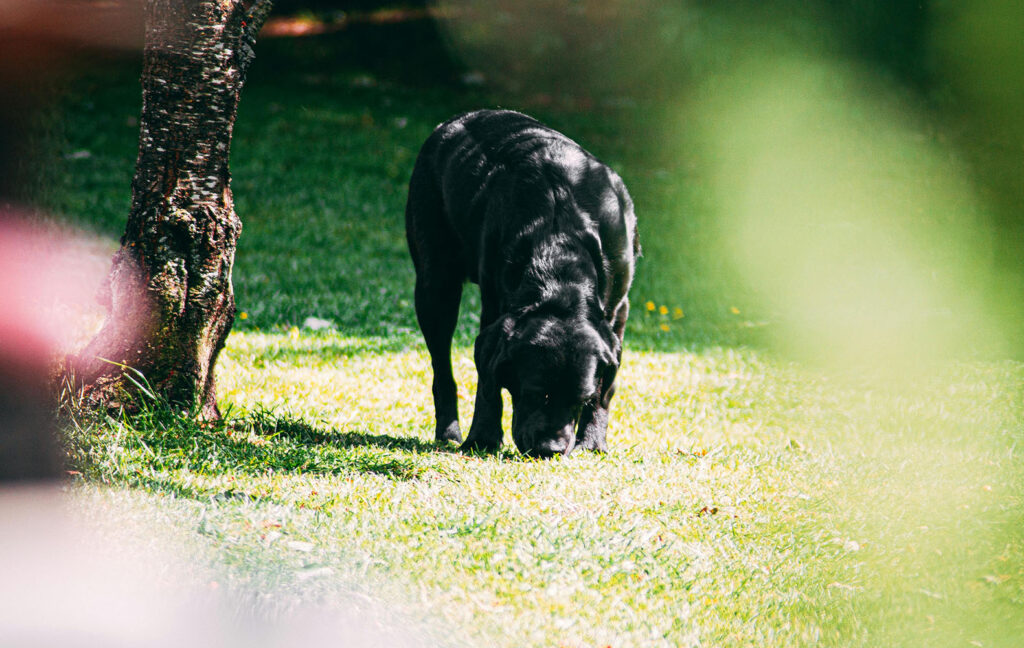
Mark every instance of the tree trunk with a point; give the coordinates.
(169, 294)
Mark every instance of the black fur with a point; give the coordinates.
(549, 234)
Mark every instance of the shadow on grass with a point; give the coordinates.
(301, 431)
(270, 426)
(163, 451)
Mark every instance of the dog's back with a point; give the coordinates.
(504, 179)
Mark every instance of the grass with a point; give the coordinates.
(746, 500)
(743, 502)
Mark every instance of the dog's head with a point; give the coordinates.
(553, 366)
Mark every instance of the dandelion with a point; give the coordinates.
(677, 313)
(650, 306)
(734, 310)
(663, 310)
(293, 332)
(664, 326)
(243, 315)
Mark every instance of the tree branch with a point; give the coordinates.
(245, 24)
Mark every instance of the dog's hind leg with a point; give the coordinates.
(438, 293)
(437, 310)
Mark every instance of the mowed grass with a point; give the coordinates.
(746, 500)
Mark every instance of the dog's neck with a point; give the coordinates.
(560, 275)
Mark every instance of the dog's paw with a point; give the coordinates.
(450, 432)
(593, 445)
(592, 439)
(480, 445)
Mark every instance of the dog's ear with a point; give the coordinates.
(492, 350)
(609, 351)
(609, 347)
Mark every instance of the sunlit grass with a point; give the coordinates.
(743, 500)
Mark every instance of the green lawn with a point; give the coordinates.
(747, 500)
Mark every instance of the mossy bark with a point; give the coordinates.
(169, 295)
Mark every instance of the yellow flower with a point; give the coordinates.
(293, 332)
(677, 313)
(243, 315)
(663, 310)
(734, 310)
(664, 326)
(650, 306)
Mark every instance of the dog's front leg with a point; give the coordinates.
(592, 430)
(485, 432)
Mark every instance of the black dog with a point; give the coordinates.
(549, 234)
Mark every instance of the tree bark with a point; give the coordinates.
(169, 296)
